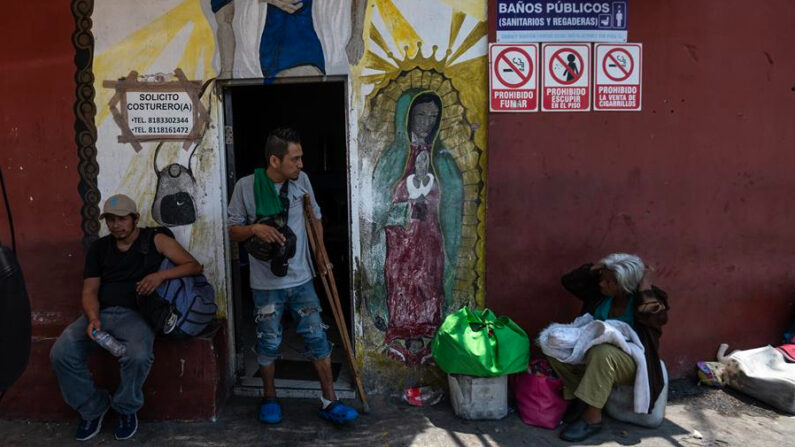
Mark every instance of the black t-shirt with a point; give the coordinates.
(119, 271)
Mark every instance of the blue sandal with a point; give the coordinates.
(338, 413)
(270, 411)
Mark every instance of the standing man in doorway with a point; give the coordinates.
(267, 208)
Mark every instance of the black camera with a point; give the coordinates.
(277, 254)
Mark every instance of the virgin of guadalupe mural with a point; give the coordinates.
(421, 193)
(278, 38)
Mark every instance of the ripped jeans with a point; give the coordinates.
(304, 306)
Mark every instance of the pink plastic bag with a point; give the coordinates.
(539, 397)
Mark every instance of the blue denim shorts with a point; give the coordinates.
(304, 306)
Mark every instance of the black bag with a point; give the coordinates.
(174, 204)
(15, 322)
(277, 254)
(266, 251)
(155, 310)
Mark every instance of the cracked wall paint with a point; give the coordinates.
(406, 53)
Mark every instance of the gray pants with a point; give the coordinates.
(69, 356)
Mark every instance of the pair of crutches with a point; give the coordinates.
(324, 268)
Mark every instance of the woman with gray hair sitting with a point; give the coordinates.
(617, 287)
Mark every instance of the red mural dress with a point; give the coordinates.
(414, 266)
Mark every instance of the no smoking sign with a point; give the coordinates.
(513, 78)
(617, 76)
(566, 80)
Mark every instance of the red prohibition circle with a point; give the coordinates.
(609, 56)
(524, 80)
(557, 57)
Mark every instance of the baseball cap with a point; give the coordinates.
(119, 205)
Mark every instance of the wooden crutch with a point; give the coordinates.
(324, 268)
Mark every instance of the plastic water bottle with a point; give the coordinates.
(107, 341)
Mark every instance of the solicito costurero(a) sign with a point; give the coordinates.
(618, 73)
(513, 77)
(562, 21)
(151, 113)
(158, 109)
(566, 78)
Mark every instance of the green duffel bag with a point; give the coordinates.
(478, 343)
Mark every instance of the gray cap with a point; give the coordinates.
(119, 205)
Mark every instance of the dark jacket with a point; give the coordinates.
(651, 313)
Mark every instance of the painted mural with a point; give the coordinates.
(174, 202)
(416, 111)
(421, 155)
(422, 203)
(282, 38)
(181, 186)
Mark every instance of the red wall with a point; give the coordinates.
(701, 183)
(38, 155)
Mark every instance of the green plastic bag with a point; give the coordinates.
(477, 343)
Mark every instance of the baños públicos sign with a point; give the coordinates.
(562, 21)
(157, 109)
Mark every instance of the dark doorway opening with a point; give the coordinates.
(317, 111)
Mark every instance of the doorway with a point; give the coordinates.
(316, 109)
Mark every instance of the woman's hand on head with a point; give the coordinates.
(648, 278)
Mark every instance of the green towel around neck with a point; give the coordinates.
(268, 203)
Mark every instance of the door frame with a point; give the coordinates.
(227, 146)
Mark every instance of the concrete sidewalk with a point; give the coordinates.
(695, 417)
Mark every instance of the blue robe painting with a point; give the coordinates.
(289, 40)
